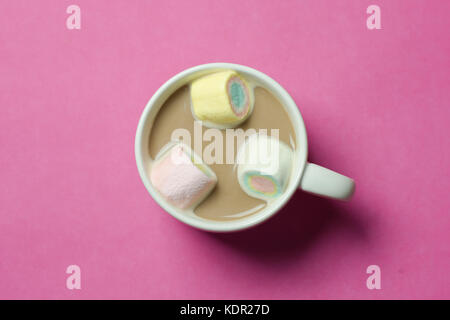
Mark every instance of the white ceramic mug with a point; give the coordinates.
(306, 176)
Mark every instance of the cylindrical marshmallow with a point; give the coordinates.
(222, 99)
(264, 166)
(181, 177)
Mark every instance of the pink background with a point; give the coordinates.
(375, 103)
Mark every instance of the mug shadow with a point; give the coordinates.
(293, 231)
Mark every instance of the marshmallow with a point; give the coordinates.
(221, 99)
(181, 177)
(264, 166)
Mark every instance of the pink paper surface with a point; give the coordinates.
(376, 104)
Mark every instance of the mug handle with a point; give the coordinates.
(327, 183)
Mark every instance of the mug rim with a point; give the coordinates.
(295, 117)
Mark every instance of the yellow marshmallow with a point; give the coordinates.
(223, 98)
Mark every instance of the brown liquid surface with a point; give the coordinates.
(227, 201)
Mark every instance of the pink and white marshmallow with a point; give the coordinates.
(181, 177)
